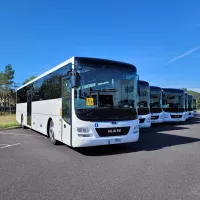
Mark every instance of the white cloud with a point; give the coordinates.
(184, 54)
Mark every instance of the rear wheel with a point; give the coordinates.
(52, 133)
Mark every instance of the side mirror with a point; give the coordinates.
(75, 79)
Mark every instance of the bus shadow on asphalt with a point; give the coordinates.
(193, 121)
(149, 141)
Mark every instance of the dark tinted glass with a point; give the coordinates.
(45, 88)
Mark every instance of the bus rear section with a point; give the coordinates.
(83, 102)
(156, 104)
(144, 104)
(174, 107)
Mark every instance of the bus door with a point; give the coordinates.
(66, 111)
(29, 107)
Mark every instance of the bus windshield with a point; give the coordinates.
(143, 101)
(175, 100)
(104, 88)
(156, 99)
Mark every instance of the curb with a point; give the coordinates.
(11, 128)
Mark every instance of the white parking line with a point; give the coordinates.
(2, 133)
(9, 145)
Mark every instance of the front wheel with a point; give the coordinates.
(52, 133)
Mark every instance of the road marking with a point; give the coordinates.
(1, 133)
(9, 145)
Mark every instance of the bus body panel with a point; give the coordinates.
(144, 121)
(187, 115)
(174, 117)
(93, 138)
(42, 112)
(21, 110)
(191, 114)
(157, 118)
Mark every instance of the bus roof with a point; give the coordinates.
(156, 88)
(143, 83)
(83, 60)
(101, 61)
(173, 90)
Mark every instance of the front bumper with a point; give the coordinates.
(146, 121)
(159, 119)
(168, 118)
(88, 142)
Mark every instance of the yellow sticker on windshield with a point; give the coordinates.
(89, 101)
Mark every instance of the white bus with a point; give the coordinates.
(156, 104)
(174, 109)
(82, 102)
(144, 104)
(186, 107)
(190, 105)
(194, 105)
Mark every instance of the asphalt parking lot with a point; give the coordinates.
(164, 164)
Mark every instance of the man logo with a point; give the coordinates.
(114, 130)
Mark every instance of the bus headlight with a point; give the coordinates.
(83, 130)
(136, 129)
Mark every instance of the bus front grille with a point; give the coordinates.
(117, 131)
(154, 117)
(176, 116)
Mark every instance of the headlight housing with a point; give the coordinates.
(135, 128)
(83, 130)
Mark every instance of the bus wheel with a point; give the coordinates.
(22, 122)
(51, 133)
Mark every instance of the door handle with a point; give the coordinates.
(64, 125)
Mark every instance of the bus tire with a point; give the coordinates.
(51, 132)
(22, 122)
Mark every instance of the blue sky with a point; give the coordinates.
(162, 38)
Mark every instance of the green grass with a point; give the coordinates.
(8, 121)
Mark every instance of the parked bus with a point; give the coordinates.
(156, 104)
(186, 107)
(82, 102)
(144, 105)
(190, 106)
(194, 105)
(174, 108)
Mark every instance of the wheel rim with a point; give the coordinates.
(51, 130)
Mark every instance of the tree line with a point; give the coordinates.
(8, 88)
